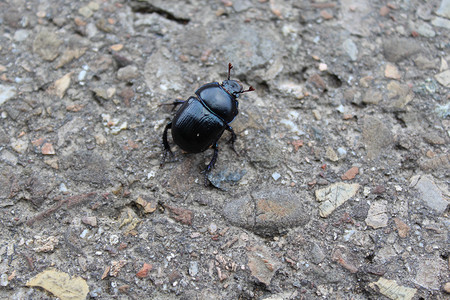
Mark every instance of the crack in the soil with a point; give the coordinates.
(147, 8)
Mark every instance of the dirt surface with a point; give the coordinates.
(339, 189)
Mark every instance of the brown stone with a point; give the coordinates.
(350, 174)
(326, 15)
(181, 215)
(143, 272)
(402, 227)
(384, 11)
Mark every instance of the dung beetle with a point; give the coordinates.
(202, 119)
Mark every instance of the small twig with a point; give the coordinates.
(71, 201)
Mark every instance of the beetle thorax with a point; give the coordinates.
(218, 100)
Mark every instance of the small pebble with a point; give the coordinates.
(93, 6)
(342, 152)
(392, 71)
(351, 49)
(113, 239)
(443, 78)
(276, 176)
(331, 154)
(441, 22)
(47, 149)
(84, 233)
(143, 272)
(4, 279)
(447, 287)
(82, 75)
(89, 221)
(341, 109)
(348, 234)
(96, 293)
(212, 228)
(384, 11)
(6, 93)
(85, 12)
(63, 188)
(193, 268)
(127, 73)
(350, 173)
(426, 30)
(326, 15)
(21, 35)
(20, 145)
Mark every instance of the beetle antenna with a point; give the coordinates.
(230, 66)
(250, 89)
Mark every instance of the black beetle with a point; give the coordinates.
(202, 119)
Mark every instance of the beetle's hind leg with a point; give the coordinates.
(212, 162)
(232, 139)
(166, 145)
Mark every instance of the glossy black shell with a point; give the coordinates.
(201, 120)
(219, 101)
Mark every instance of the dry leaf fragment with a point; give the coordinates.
(46, 244)
(129, 219)
(334, 196)
(148, 207)
(392, 290)
(116, 267)
(61, 284)
(12, 276)
(106, 272)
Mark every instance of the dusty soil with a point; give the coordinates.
(339, 189)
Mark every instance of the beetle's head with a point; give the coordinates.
(234, 87)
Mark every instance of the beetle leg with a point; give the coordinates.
(232, 139)
(166, 145)
(212, 162)
(175, 103)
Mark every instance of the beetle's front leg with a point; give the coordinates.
(166, 145)
(232, 139)
(212, 162)
(175, 103)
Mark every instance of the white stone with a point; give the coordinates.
(444, 9)
(443, 78)
(377, 217)
(430, 193)
(276, 176)
(351, 49)
(334, 196)
(441, 22)
(6, 93)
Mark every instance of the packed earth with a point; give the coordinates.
(338, 188)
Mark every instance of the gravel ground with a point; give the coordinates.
(339, 188)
